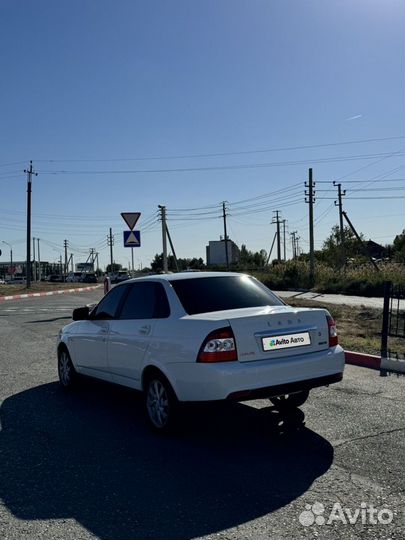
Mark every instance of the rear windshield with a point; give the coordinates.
(203, 295)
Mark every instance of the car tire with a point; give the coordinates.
(161, 404)
(67, 374)
(290, 401)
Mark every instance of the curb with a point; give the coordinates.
(47, 293)
(363, 360)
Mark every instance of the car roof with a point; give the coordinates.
(184, 275)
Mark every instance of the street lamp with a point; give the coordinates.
(11, 257)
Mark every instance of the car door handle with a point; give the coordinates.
(145, 330)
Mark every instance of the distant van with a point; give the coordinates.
(74, 277)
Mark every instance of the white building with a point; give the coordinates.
(216, 253)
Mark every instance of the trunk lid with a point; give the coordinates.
(278, 332)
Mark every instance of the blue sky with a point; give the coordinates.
(218, 99)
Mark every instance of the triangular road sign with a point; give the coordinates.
(130, 218)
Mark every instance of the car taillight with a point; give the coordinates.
(333, 337)
(218, 346)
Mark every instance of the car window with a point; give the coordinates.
(109, 305)
(146, 300)
(203, 295)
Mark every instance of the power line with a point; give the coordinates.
(364, 181)
(243, 166)
(358, 198)
(269, 194)
(368, 189)
(268, 208)
(370, 165)
(223, 154)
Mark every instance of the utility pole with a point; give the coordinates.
(65, 245)
(271, 249)
(284, 246)
(363, 244)
(277, 221)
(225, 235)
(342, 231)
(110, 242)
(29, 173)
(293, 243)
(39, 262)
(172, 248)
(310, 199)
(92, 256)
(164, 237)
(34, 268)
(70, 261)
(11, 272)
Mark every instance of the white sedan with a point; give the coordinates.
(201, 336)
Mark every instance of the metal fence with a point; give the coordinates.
(393, 326)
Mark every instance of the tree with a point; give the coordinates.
(115, 267)
(250, 259)
(331, 249)
(183, 264)
(398, 248)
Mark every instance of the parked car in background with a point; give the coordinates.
(2, 281)
(197, 337)
(17, 280)
(118, 277)
(55, 278)
(89, 277)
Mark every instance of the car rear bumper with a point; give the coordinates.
(249, 380)
(288, 388)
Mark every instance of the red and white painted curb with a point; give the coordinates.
(47, 293)
(363, 360)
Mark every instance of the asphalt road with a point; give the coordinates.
(85, 465)
(337, 299)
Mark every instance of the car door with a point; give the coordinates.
(90, 340)
(132, 332)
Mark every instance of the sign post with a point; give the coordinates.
(131, 238)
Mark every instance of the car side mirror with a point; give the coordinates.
(81, 313)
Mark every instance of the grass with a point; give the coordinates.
(362, 280)
(359, 328)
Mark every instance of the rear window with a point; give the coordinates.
(203, 295)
